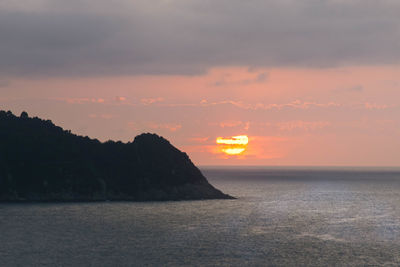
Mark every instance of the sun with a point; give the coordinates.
(234, 145)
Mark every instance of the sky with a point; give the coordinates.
(310, 82)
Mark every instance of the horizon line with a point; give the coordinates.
(303, 166)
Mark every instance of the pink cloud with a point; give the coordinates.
(302, 125)
(296, 104)
(120, 98)
(149, 101)
(372, 106)
(82, 100)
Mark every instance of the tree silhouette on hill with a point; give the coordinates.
(40, 161)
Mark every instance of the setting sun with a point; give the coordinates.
(234, 145)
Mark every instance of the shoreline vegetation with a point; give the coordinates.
(41, 162)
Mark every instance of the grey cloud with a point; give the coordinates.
(102, 37)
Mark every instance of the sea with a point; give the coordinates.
(283, 216)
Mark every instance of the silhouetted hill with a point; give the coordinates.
(42, 162)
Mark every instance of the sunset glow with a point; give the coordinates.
(249, 132)
(233, 151)
(296, 95)
(233, 146)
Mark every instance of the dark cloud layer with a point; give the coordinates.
(40, 37)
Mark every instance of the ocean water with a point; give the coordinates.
(282, 217)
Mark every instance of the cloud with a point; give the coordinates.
(258, 78)
(81, 100)
(374, 106)
(302, 125)
(149, 101)
(120, 98)
(261, 77)
(82, 37)
(232, 124)
(296, 104)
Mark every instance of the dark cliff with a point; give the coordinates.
(42, 162)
